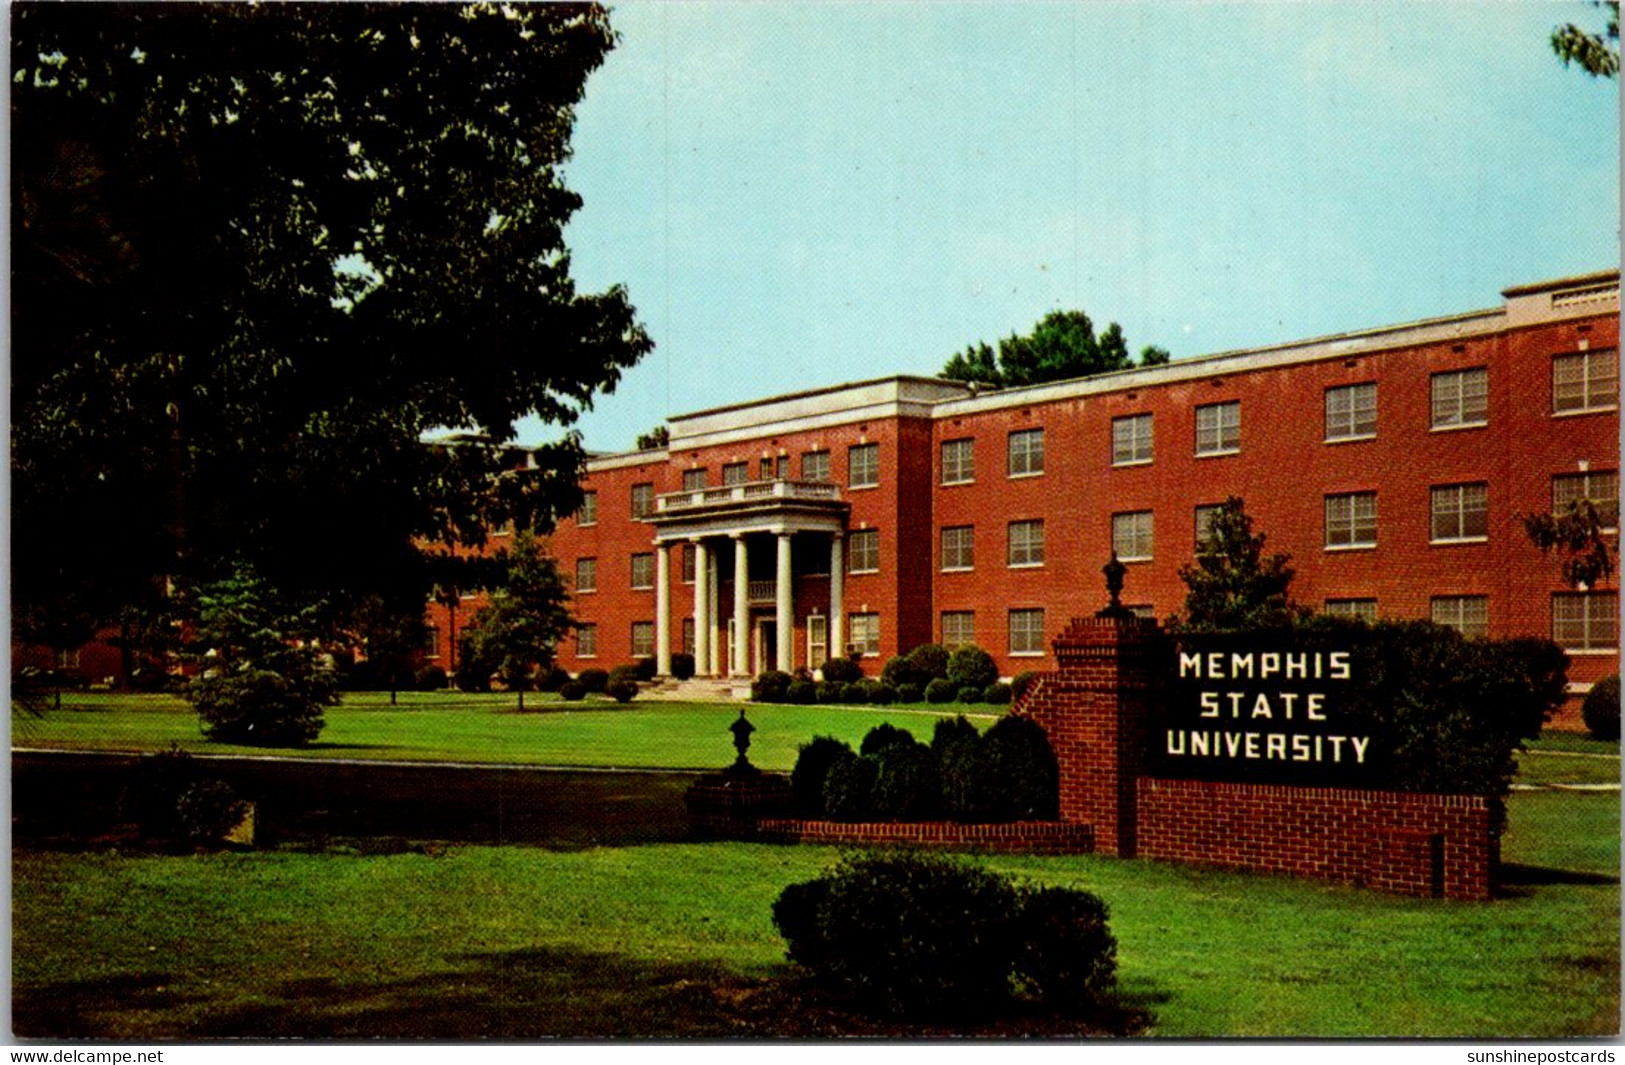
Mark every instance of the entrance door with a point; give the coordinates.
(767, 645)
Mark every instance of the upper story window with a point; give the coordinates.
(958, 547)
(1026, 452)
(1131, 536)
(688, 563)
(1026, 544)
(815, 466)
(1364, 609)
(643, 570)
(1467, 614)
(1461, 398)
(1460, 512)
(1351, 412)
(735, 473)
(587, 513)
(1584, 381)
(863, 551)
(1601, 487)
(694, 480)
(1586, 621)
(643, 500)
(1131, 440)
(958, 628)
(586, 574)
(776, 467)
(1218, 428)
(958, 461)
(1205, 514)
(1351, 520)
(863, 466)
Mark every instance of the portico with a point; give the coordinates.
(738, 528)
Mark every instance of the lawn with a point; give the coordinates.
(676, 940)
(487, 729)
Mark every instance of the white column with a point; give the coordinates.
(783, 592)
(837, 597)
(702, 620)
(741, 631)
(714, 612)
(662, 611)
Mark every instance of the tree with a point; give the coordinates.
(1062, 345)
(527, 616)
(1233, 586)
(391, 634)
(654, 439)
(1576, 535)
(1596, 53)
(260, 680)
(259, 251)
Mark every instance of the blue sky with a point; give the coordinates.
(801, 195)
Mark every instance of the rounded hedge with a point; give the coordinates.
(551, 679)
(941, 690)
(907, 787)
(997, 694)
(622, 675)
(770, 687)
(208, 810)
(970, 694)
(849, 788)
(573, 690)
(811, 769)
(972, 667)
(842, 669)
(928, 661)
(854, 694)
(801, 692)
(883, 735)
(593, 680)
(1067, 953)
(682, 665)
(622, 691)
(1601, 709)
(909, 692)
(429, 679)
(831, 691)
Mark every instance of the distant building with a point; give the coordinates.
(1392, 463)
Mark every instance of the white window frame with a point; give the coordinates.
(1467, 614)
(643, 634)
(587, 640)
(587, 513)
(735, 473)
(864, 633)
(949, 641)
(1024, 453)
(867, 467)
(817, 640)
(1343, 513)
(1598, 380)
(1133, 440)
(1204, 528)
(959, 461)
(815, 466)
(591, 564)
(963, 558)
(1448, 392)
(1362, 607)
(643, 500)
(1027, 639)
(1351, 412)
(1589, 481)
(1450, 504)
(864, 558)
(1218, 428)
(1135, 531)
(1031, 543)
(642, 560)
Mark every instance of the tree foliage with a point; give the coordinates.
(259, 251)
(391, 633)
(654, 439)
(1595, 53)
(1575, 534)
(1233, 585)
(528, 615)
(1062, 345)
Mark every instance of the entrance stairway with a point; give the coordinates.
(697, 690)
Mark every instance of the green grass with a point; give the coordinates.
(677, 940)
(486, 729)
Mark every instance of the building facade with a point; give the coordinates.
(1393, 464)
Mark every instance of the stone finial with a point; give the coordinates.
(1115, 572)
(741, 730)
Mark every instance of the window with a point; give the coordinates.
(781, 468)
(817, 640)
(1026, 452)
(815, 466)
(958, 628)
(958, 461)
(1467, 614)
(586, 575)
(587, 514)
(765, 469)
(1351, 412)
(1364, 609)
(1026, 632)
(1218, 428)
(1586, 621)
(1026, 545)
(688, 636)
(865, 630)
(863, 466)
(1601, 487)
(959, 547)
(643, 500)
(643, 571)
(1205, 515)
(1461, 398)
(643, 639)
(693, 480)
(1131, 440)
(688, 563)
(431, 643)
(587, 641)
(1585, 380)
(1131, 536)
(863, 551)
(1351, 520)
(1460, 512)
(735, 473)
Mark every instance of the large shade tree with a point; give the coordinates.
(259, 252)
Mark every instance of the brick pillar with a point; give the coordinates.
(1094, 709)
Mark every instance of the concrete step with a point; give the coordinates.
(697, 690)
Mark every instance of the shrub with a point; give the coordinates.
(969, 694)
(208, 810)
(262, 707)
(855, 693)
(959, 761)
(429, 679)
(997, 694)
(473, 676)
(593, 680)
(909, 692)
(897, 671)
(875, 692)
(831, 691)
(972, 667)
(551, 679)
(770, 687)
(1017, 776)
(953, 730)
(645, 668)
(801, 692)
(849, 788)
(573, 691)
(682, 665)
(1021, 682)
(627, 674)
(842, 669)
(941, 690)
(907, 787)
(158, 782)
(929, 661)
(812, 767)
(622, 691)
(884, 735)
(1067, 955)
(1601, 709)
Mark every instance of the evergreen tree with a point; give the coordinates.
(527, 617)
(1233, 586)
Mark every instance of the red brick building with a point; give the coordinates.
(1391, 463)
